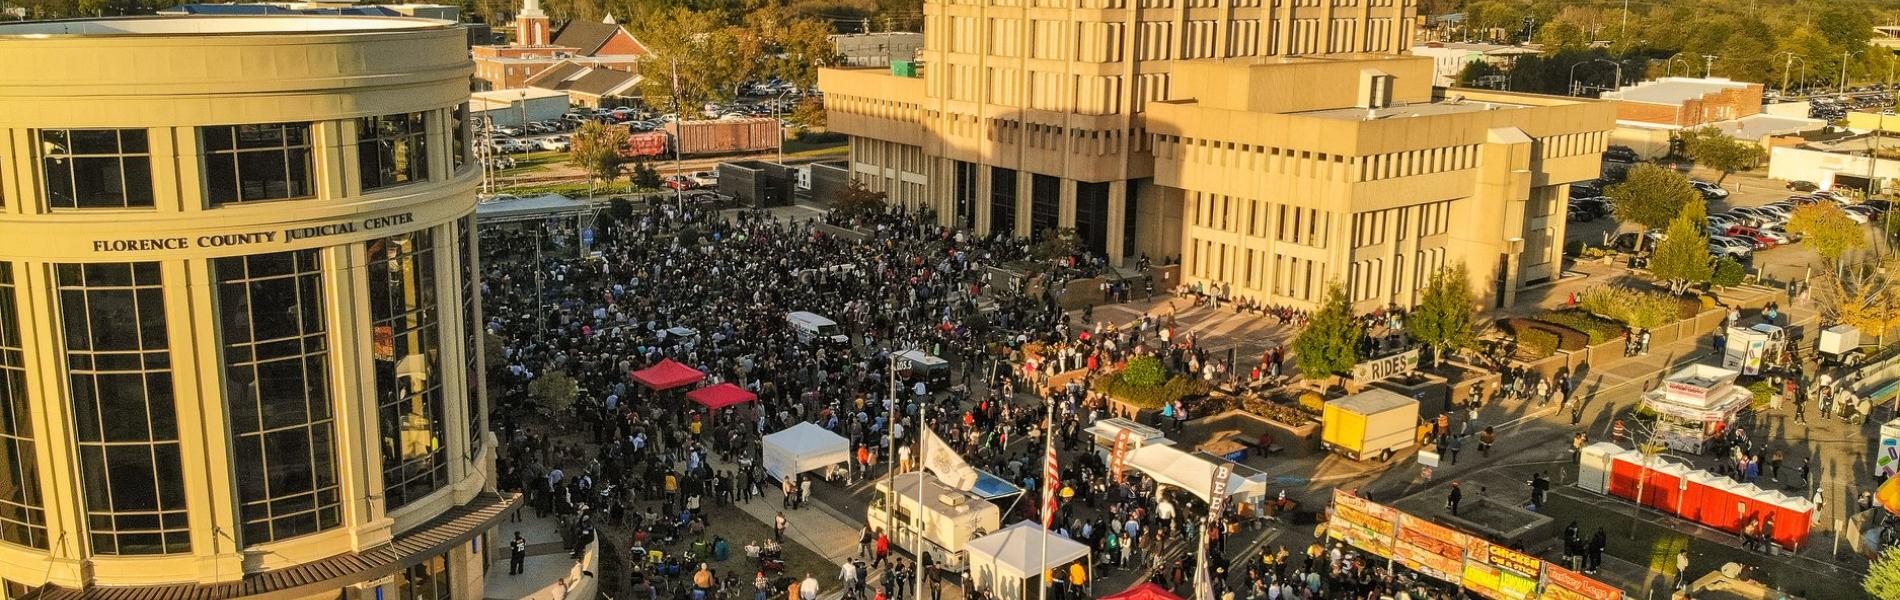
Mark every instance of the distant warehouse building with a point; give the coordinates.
(1650, 115)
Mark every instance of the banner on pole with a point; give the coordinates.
(1118, 458)
(1217, 490)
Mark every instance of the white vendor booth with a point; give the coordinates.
(1696, 404)
(1104, 432)
(804, 447)
(1007, 562)
(1194, 473)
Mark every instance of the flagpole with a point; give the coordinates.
(923, 447)
(1048, 497)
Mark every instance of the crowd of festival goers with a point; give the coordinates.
(711, 290)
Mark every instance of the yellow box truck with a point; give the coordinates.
(1371, 423)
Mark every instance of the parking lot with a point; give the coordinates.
(1745, 191)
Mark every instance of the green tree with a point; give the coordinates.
(1329, 345)
(1056, 244)
(810, 113)
(857, 201)
(1826, 228)
(1728, 273)
(1561, 35)
(645, 176)
(1478, 73)
(595, 148)
(1652, 197)
(1682, 259)
(1883, 576)
(1446, 317)
(554, 391)
(700, 50)
(1711, 148)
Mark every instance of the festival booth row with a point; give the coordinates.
(1009, 562)
(1695, 495)
(1488, 570)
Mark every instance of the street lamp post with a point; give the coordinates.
(777, 107)
(1670, 69)
(1785, 67)
(1846, 56)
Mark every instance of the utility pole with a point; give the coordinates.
(1708, 64)
(1623, 30)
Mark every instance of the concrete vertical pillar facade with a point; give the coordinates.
(1025, 204)
(982, 202)
(1117, 220)
(191, 321)
(1492, 218)
(1065, 202)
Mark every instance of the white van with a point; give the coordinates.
(810, 327)
(950, 518)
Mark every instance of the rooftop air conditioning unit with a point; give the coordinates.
(952, 499)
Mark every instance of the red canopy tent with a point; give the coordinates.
(1146, 591)
(667, 375)
(715, 397)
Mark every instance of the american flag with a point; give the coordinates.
(1051, 482)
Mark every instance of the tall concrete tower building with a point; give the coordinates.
(1028, 114)
(238, 330)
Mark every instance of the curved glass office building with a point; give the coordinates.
(236, 353)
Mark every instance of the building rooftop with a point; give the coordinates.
(1755, 127)
(216, 25)
(1673, 90)
(1416, 109)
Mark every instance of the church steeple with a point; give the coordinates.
(531, 25)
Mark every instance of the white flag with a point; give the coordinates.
(943, 461)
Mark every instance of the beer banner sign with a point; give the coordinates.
(1382, 368)
(1118, 458)
(1363, 523)
(1565, 584)
(1430, 548)
(1217, 490)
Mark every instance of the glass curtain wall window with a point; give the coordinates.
(96, 168)
(22, 516)
(458, 130)
(407, 355)
(392, 149)
(248, 163)
(471, 334)
(124, 415)
(276, 377)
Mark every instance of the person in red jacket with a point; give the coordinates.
(883, 548)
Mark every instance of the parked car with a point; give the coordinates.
(1710, 191)
(1723, 222)
(1585, 189)
(1579, 215)
(1597, 205)
(508, 130)
(1620, 154)
(704, 178)
(1803, 186)
(1858, 214)
(557, 143)
(1732, 247)
(1750, 215)
(1768, 237)
(679, 182)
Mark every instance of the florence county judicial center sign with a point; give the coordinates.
(251, 238)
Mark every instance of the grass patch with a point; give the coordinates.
(532, 162)
(800, 149)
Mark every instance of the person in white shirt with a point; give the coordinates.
(808, 589)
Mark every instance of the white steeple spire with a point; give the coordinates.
(531, 8)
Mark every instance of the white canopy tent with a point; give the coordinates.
(804, 447)
(1006, 561)
(1171, 466)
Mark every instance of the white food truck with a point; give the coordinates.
(949, 517)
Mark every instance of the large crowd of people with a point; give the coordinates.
(711, 290)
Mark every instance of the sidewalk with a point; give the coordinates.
(547, 562)
(817, 527)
